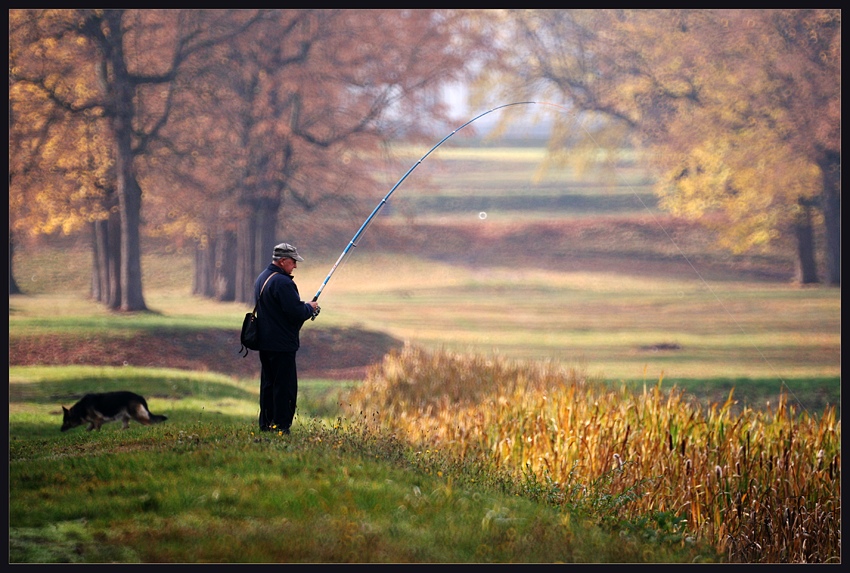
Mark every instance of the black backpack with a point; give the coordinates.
(250, 337)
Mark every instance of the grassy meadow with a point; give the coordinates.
(202, 487)
(627, 393)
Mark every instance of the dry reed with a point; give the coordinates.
(762, 486)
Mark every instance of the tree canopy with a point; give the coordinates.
(224, 125)
(738, 110)
(223, 128)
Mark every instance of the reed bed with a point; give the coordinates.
(761, 486)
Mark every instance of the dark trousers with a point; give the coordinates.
(278, 390)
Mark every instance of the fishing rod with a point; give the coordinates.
(353, 242)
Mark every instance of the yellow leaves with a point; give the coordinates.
(84, 90)
(60, 172)
(734, 106)
(750, 176)
(633, 88)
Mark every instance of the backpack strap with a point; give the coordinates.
(262, 288)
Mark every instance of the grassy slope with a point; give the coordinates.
(203, 487)
(760, 335)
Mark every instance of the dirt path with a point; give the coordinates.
(325, 353)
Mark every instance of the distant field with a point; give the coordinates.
(508, 183)
(617, 327)
(478, 252)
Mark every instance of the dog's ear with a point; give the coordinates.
(65, 410)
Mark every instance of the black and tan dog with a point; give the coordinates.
(97, 409)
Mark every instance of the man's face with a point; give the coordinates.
(288, 265)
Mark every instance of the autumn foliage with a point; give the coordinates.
(739, 111)
(220, 128)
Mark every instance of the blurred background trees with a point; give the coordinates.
(283, 122)
(228, 125)
(106, 79)
(225, 130)
(738, 110)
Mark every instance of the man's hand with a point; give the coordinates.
(316, 309)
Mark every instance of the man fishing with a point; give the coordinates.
(281, 313)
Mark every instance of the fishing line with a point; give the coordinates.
(353, 242)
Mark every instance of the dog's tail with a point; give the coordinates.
(142, 414)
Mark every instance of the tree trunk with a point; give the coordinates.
(255, 240)
(215, 268)
(267, 216)
(130, 200)
(806, 265)
(830, 166)
(224, 280)
(121, 92)
(100, 264)
(197, 273)
(204, 267)
(106, 259)
(13, 284)
(113, 260)
(245, 273)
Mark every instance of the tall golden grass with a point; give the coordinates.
(762, 486)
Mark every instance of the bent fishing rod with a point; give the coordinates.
(353, 242)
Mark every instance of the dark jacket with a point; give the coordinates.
(281, 312)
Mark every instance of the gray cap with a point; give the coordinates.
(285, 251)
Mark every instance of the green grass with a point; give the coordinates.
(193, 395)
(507, 183)
(204, 487)
(55, 313)
(810, 394)
(607, 323)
